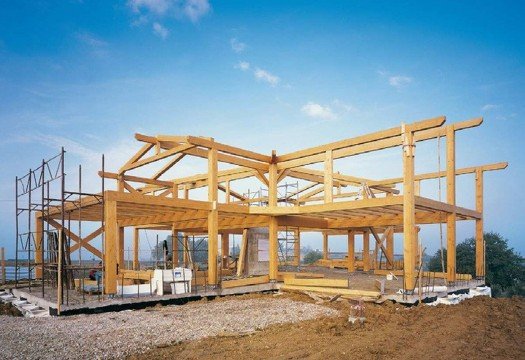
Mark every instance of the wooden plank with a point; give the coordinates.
(168, 166)
(228, 284)
(282, 275)
(167, 153)
(366, 251)
(325, 246)
(326, 290)
(323, 282)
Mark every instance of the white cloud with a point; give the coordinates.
(345, 107)
(237, 46)
(160, 30)
(243, 65)
(399, 81)
(266, 76)
(489, 107)
(315, 110)
(190, 9)
(97, 47)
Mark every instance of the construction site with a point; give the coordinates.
(73, 270)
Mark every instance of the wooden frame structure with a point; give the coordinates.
(156, 203)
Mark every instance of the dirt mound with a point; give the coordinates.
(477, 328)
(9, 309)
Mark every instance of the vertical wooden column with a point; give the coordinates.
(325, 246)
(39, 241)
(111, 232)
(351, 251)
(451, 199)
(213, 217)
(225, 249)
(417, 187)
(186, 251)
(390, 248)
(227, 193)
(120, 249)
(297, 247)
(480, 242)
(136, 238)
(174, 247)
(366, 250)
(273, 227)
(409, 218)
(328, 177)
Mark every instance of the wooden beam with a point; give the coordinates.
(480, 242)
(167, 153)
(168, 165)
(328, 177)
(242, 253)
(138, 155)
(384, 134)
(351, 251)
(136, 238)
(213, 218)
(366, 251)
(435, 175)
(409, 221)
(325, 246)
(318, 282)
(225, 249)
(255, 280)
(228, 149)
(110, 247)
(273, 229)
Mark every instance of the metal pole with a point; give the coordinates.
(29, 231)
(2, 264)
(16, 243)
(62, 208)
(42, 237)
(103, 232)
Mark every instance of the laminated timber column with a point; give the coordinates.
(186, 251)
(213, 217)
(451, 199)
(351, 251)
(297, 247)
(111, 232)
(325, 245)
(120, 249)
(390, 244)
(409, 218)
(480, 242)
(366, 250)
(328, 177)
(174, 247)
(225, 249)
(273, 227)
(136, 249)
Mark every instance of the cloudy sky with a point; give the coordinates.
(264, 75)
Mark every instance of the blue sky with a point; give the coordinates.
(265, 75)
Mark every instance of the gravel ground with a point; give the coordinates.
(116, 335)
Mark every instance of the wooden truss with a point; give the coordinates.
(368, 207)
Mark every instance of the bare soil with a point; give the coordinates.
(9, 310)
(477, 328)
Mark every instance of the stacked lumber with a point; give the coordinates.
(327, 286)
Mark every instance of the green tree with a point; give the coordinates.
(505, 270)
(312, 256)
